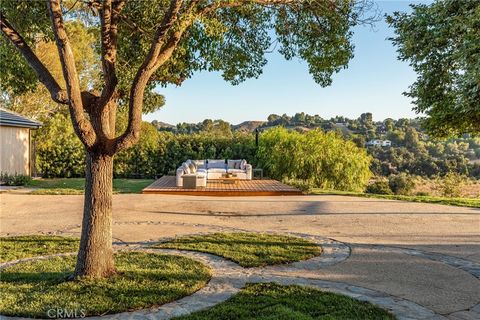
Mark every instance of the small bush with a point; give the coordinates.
(401, 183)
(380, 186)
(14, 179)
(451, 184)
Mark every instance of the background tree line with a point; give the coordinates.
(412, 151)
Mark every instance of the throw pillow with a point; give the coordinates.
(186, 168)
(232, 164)
(243, 164)
(192, 168)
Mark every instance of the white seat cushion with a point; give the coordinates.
(236, 170)
(216, 170)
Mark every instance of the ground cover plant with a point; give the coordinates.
(19, 247)
(77, 185)
(13, 179)
(248, 249)
(143, 280)
(273, 301)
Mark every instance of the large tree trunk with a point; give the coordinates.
(95, 257)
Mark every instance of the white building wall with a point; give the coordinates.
(14, 150)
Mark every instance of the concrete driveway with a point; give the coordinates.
(425, 253)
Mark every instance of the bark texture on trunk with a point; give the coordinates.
(95, 257)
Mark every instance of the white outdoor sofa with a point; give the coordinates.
(214, 169)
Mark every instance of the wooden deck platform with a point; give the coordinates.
(166, 185)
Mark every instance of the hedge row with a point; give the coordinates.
(59, 153)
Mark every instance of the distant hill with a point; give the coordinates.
(298, 128)
(343, 127)
(248, 126)
(162, 125)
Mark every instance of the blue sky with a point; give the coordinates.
(373, 82)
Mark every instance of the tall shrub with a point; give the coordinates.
(59, 152)
(323, 160)
(451, 184)
(146, 159)
(401, 183)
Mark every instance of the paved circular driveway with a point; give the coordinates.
(424, 253)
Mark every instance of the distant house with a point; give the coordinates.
(386, 143)
(15, 143)
(379, 143)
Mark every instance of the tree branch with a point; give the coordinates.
(148, 67)
(81, 124)
(58, 95)
(109, 16)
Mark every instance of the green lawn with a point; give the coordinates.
(248, 249)
(144, 280)
(270, 301)
(460, 202)
(77, 185)
(13, 248)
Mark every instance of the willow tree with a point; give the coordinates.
(144, 44)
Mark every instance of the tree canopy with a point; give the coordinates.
(442, 43)
(34, 101)
(231, 37)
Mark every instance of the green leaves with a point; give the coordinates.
(144, 159)
(321, 159)
(58, 150)
(31, 18)
(442, 43)
(234, 41)
(232, 38)
(318, 33)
